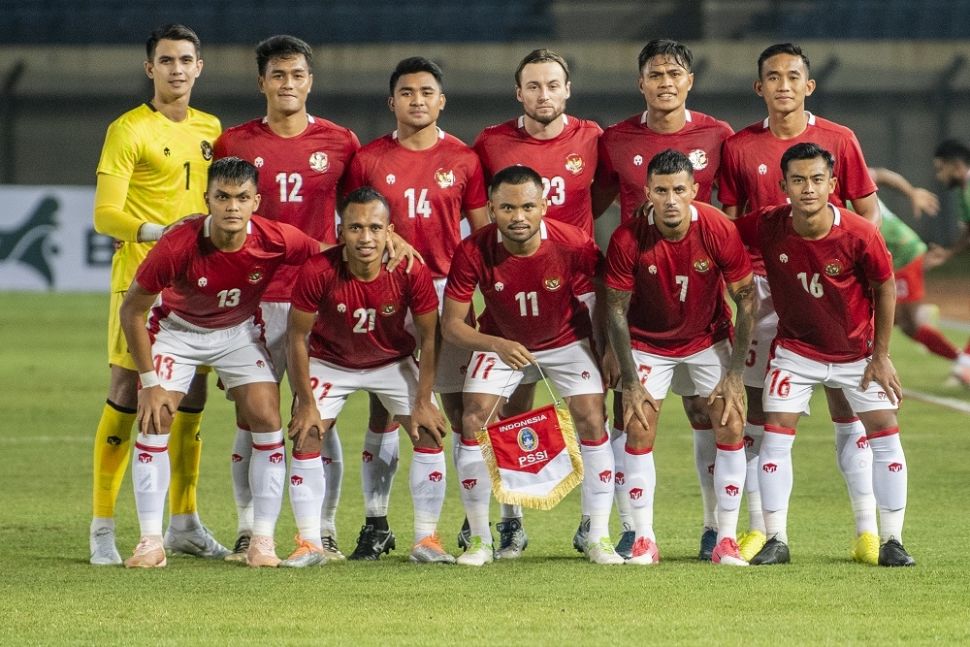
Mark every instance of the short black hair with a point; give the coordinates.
(670, 162)
(233, 170)
(414, 65)
(172, 31)
(806, 151)
(541, 55)
(516, 174)
(952, 150)
(365, 195)
(281, 46)
(667, 48)
(784, 48)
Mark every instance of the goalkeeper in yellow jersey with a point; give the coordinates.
(151, 174)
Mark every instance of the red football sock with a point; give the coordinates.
(934, 340)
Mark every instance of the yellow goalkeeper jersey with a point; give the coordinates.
(165, 164)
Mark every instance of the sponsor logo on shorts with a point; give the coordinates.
(620, 478)
(145, 457)
(206, 150)
(366, 456)
(319, 161)
(258, 162)
(468, 484)
(762, 169)
(769, 468)
(702, 265)
(783, 258)
(260, 363)
(114, 441)
(202, 282)
(585, 375)
(606, 476)
(575, 163)
(861, 442)
(895, 467)
(527, 439)
(236, 458)
(276, 458)
(698, 159)
(444, 178)
(638, 160)
(833, 268)
(553, 283)
(390, 179)
(636, 493)
(296, 480)
(881, 395)
(731, 490)
(255, 276)
(388, 309)
(326, 460)
(435, 477)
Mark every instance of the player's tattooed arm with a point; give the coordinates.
(306, 417)
(156, 406)
(635, 396)
(880, 368)
(731, 386)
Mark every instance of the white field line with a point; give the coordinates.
(960, 406)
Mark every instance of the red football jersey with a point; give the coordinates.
(626, 149)
(214, 289)
(567, 163)
(428, 191)
(530, 299)
(821, 287)
(678, 306)
(361, 324)
(299, 178)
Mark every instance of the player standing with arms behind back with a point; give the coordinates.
(301, 160)
(748, 181)
(152, 172)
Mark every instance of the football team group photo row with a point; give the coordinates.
(460, 285)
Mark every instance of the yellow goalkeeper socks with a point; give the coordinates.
(185, 451)
(112, 450)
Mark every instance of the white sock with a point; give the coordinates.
(730, 466)
(428, 490)
(752, 490)
(307, 489)
(889, 479)
(620, 497)
(476, 488)
(598, 485)
(332, 455)
(704, 459)
(151, 473)
(855, 462)
(267, 472)
(378, 466)
(641, 486)
(776, 479)
(242, 452)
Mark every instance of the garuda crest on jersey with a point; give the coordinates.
(255, 276)
(575, 164)
(319, 161)
(833, 268)
(702, 265)
(698, 159)
(444, 178)
(388, 309)
(552, 283)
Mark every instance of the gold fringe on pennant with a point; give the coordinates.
(535, 501)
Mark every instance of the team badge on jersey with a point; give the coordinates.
(255, 276)
(783, 258)
(167, 152)
(553, 283)
(206, 150)
(388, 309)
(258, 162)
(202, 282)
(341, 308)
(499, 286)
(528, 440)
(762, 169)
(698, 159)
(390, 179)
(319, 161)
(833, 268)
(702, 265)
(638, 160)
(575, 164)
(444, 178)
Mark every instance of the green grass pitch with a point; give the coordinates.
(53, 379)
